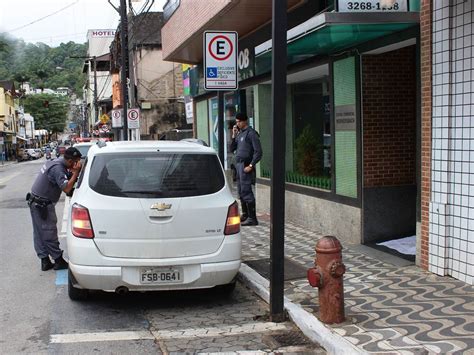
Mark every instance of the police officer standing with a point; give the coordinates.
(54, 177)
(246, 143)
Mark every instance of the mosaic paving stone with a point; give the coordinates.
(390, 309)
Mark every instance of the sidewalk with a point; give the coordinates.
(7, 163)
(389, 308)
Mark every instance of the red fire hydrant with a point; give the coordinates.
(327, 276)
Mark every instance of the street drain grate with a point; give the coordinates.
(291, 338)
(293, 271)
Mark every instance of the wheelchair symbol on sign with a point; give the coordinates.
(211, 72)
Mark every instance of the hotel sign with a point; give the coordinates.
(102, 33)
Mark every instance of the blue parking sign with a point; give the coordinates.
(211, 72)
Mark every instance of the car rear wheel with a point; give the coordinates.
(227, 289)
(75, 294)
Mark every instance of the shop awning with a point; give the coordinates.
(22, 138)
(332, 32)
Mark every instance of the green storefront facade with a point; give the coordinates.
(339, 178)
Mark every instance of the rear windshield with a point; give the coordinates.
(156, 175)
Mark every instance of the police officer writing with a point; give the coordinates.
(55, 176)
(246, 143)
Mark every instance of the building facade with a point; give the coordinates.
(98, 88)
(157, 86)
(8, 119)
(357, 131)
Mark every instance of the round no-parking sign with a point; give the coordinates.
(117, 119)
(133, 118)
(220, 60)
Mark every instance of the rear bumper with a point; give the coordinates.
(108, 278)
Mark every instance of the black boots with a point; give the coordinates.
(245, 211)
(46, 264)
(60, 263)
(252, 215)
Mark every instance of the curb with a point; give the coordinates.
(311, 327)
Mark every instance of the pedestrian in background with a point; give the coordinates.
(45, 193)
(248, 152)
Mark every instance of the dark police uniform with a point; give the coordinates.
(248, 152)
(45, 193)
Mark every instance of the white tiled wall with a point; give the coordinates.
(451, 244)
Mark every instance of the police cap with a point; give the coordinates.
(72, 153)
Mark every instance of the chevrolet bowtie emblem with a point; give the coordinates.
(160, 206)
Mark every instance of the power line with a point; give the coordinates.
(72, 35)
(44, 17)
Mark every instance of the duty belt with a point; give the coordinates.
(32, 198)
(40, 203)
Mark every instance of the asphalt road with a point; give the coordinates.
(37, 317)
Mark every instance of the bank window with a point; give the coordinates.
(308, 153)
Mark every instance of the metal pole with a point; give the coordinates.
(220, 125)
(277, 197)
(124, 68)
(96, 102)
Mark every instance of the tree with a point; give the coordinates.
(51, 116)
(307, 153)
(39, 63)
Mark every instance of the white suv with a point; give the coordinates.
(154, 215)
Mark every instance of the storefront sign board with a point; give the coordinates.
(345, 117)
(188, 102)
(372, 6)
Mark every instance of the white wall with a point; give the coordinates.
(149, 66)
(451, 241)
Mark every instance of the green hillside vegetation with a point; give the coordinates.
(50, 111)
(41, 65)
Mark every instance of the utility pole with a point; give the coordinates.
(124, 68)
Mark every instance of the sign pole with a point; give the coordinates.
(277, 196)
(220, 125)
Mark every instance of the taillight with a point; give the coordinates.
(232, 225)
(81, 222)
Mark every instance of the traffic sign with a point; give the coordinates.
(104, 118)
(220, 60)
(117, 119)
(133, 118)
